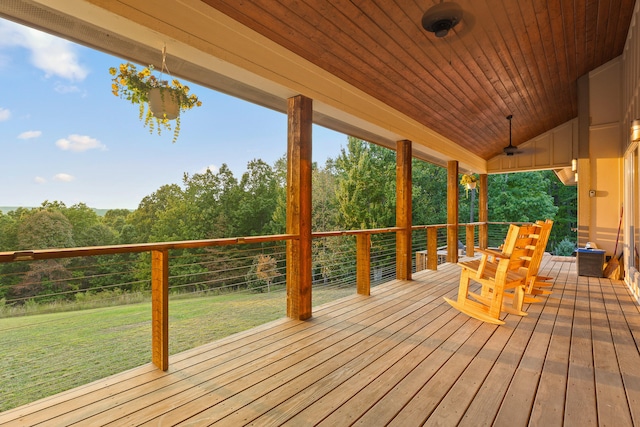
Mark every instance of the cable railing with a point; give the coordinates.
(205, 267)
(214, 288)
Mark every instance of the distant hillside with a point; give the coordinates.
(5, 209)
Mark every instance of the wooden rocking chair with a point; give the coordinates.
(496, 272)
(532, 258)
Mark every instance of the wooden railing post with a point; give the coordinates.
(363, 264)
(160, 308)
(470, 239)
(483, 212)
(432, 248)
(452, 211)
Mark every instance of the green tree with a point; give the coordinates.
(149, 209)
(520, 197)
(100, 235)
(365, 185)
(11, 272)
(257, 201)
(41, 230)
(116, 219)
(8, 232)
(279, 217)
(45, 229)
(209, 202)
(429, 193)
(324, 203)
(366, 198)
(82, 219)
(566, 221)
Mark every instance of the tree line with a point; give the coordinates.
(356, 190)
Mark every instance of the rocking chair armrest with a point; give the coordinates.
(490, 253)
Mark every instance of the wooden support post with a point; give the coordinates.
(404, 256)
(452, 211)
(432, 248)
(160, 308)
(300, 115)
(363, 264)
(470, 239)
(483, 211)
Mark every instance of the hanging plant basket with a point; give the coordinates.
(163, 103)
(469, 182)
(158, 99)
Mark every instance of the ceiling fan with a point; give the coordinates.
(510, 149)
(441, 18)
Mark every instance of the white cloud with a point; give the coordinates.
(54, 56)
(64, 177)
(39, 180)
(212, 168)
(30, 134)
(79, 143)
(4, 114)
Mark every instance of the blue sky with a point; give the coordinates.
(65, 137)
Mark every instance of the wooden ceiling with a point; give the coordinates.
(506, 57)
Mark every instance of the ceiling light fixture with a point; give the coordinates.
(441, 18)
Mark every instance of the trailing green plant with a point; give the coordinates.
(133, 85)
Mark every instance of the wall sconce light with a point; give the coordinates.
(575, 178)
(635, 130)
(574, 165)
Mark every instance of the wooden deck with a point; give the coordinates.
(401, 357)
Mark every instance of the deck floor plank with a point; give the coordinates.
(624, 319)
(232, 382)
(548, 406)
(388, 407)
(610, 395)
(359, 403)
(223, 360)
(518, 401)
(580, 404)
(453, 405)
(221, 399)
(335, 388)
(315, 383)
(399, 357)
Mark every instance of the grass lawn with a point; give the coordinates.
(45, 354)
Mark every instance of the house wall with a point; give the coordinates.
(600, 178)
(630, 111)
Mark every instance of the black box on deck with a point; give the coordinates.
(590, 262)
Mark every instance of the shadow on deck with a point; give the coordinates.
(401, 357)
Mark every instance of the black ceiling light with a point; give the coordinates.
(441, 18)
(510, 150)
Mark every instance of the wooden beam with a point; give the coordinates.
(452, 211)
(160, 309)
(403, 210)
(483, 211)
(300, 114)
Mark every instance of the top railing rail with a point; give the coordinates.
(42, 254)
